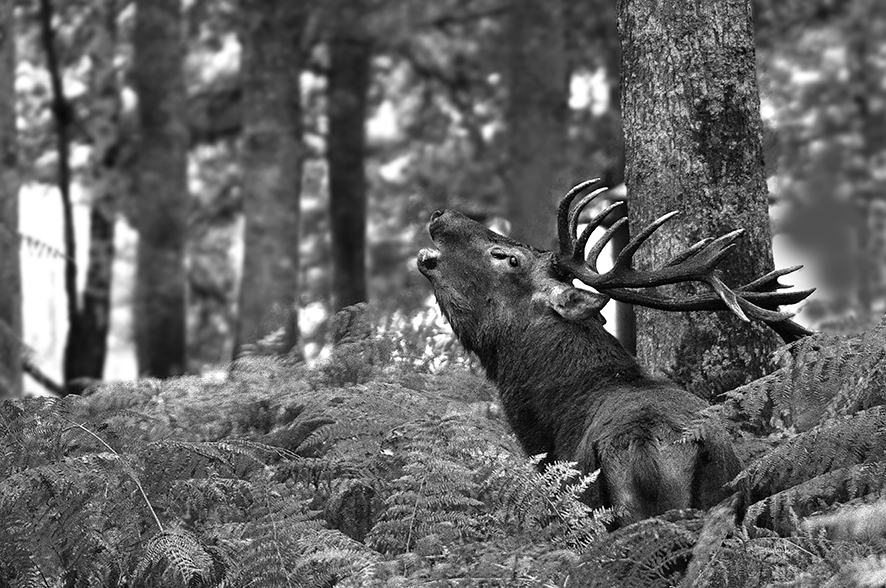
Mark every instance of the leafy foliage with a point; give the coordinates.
(103, 500)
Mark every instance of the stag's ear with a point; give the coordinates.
(577, 305)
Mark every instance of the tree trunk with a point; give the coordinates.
(10, 268)
(349, 68)
(88, 340)
(272, 168)
(537, 118)
(63, 117)
(693, 139)
(161, 187)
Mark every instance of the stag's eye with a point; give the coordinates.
(499, 253)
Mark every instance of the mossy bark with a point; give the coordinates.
(10, 263)
(272, 154)
(693, 139)
(161, 188)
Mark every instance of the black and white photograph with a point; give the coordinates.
(443, 293)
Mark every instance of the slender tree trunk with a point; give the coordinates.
(537, 118)
(350, 53)
(63, 116)
(625, 319)
(161, 186)
(693, 139)
(272, 167)
(10, 268)
(87, 343)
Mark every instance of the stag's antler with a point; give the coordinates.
(758, 299)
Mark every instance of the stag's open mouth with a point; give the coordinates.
(427, 260)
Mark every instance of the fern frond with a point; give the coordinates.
(783, 510)
(838, 442)
(866, 385)
(866, 522)
(177, 552)
(822, 376)
(649, 553)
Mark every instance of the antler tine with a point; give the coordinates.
(683, 256)
(627, 254)
(770, 280)
(598, 246)
(576, 212)
(563, 235)
(770, 299)
(579, 250)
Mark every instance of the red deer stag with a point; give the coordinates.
(568, 388)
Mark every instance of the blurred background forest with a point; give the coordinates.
(195, 177)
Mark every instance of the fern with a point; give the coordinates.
(648, 553)
(435, 493)
(548, 504)
(866, 521)
(822, 376)
(175, 556)
(819, 460)
(84, 501)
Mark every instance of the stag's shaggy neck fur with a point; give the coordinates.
(541, 403)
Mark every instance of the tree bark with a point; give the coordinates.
(161, 187)
(693, 139)
(10, 263)
(88, 340)
(350, 52)
(537, 118)
(272, 168)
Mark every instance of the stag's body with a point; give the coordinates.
(572, 392)
(568, 388)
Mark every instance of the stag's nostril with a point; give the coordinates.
(436, 214)
(427, 259)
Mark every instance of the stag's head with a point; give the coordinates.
(485, 282)
(481, 277)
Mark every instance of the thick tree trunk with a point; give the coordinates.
(87, 342)
(350, 53)
(10, 268)
(693, 139)
(537, 118)
(272, 168)
(161, 187)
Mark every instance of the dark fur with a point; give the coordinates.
(568, 388)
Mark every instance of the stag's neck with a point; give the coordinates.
(553, 354)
